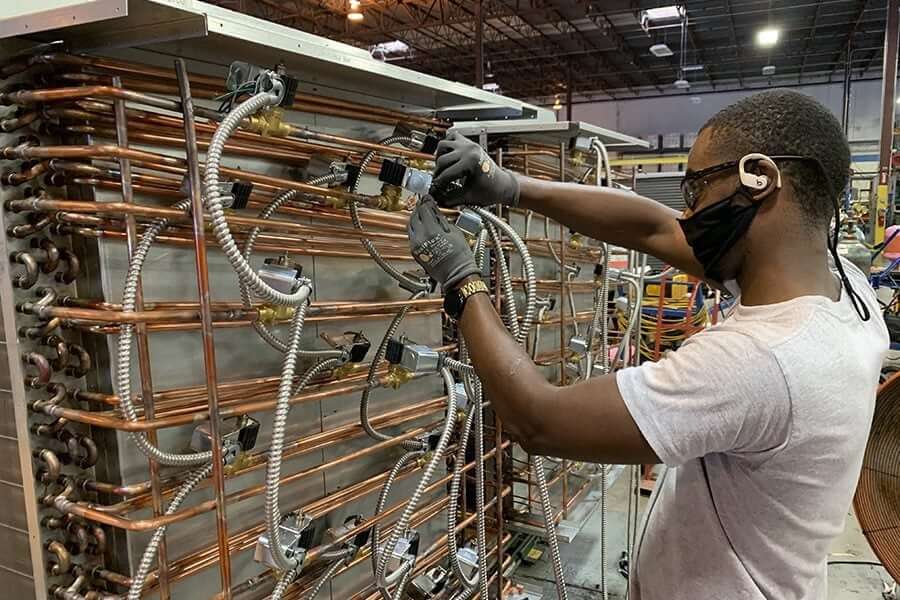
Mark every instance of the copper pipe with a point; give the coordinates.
(215, 84)
(141, 341)
(146, 316)
(246, 539)
(26, 175)
(184, 240)
(151, 158)
(303, 445)
(48, 204)
(21, 119)
(209, 348)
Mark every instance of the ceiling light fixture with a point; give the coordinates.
(355, 14)
(661, 50)
(692, 68)
(767, 37)
(682, 84)
(663, 13)
(557, 105)
(768, 70)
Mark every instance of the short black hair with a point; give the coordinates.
(784, 122)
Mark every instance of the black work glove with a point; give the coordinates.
(439, 247)
(465, 174)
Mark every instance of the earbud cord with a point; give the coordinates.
(858, 304)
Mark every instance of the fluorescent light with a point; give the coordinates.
(664, 13)
(682, 84)
(395, 47)
(661, 50)
(491, 87)
(355, 16)
(767, 37)
(692, 68)
(768, 70)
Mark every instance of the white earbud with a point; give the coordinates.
(752, 180)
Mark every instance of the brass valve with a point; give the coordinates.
(335, 202)
(391, 198)
(397, 376)
(576, 241)
(269, 314)
(420, 163)
(348, 369)
(269, 122)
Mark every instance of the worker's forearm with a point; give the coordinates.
(616, 216)
(511, 380)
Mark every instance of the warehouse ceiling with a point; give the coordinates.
(542, 49)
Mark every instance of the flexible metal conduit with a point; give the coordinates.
(140, 576)
(220, 227)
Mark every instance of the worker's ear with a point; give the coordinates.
(759, 175)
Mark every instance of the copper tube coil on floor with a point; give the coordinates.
(877, 499)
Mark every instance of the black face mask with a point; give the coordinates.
(713, 231)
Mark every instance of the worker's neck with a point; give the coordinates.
(786, 272)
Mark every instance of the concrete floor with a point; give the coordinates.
(581, 558)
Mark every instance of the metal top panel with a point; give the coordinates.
(218, 35)
(551, 133)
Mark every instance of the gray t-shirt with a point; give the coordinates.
(772, 407)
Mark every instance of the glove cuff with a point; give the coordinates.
(459, 274)
(511, 197)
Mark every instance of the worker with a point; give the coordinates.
(763, 418)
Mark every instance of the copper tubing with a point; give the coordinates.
(150, 158)
(48, 204)
(304, 133)
(303, 445)
(231, 148)
(141, 340)
(40, 362)
(26, 175)
(209, 348)
(62, 351)
(214, 83)
(104, 516)
(63, 562)
(20, 120)
(147, 316)
(246, 539)
(276, 248)
(29, 277)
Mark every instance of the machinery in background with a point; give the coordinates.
(209, 315)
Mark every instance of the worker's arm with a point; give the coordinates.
(587, 421)
(615, 216)
(466, 175)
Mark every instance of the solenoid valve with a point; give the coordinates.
(415, 358)
(404, 552)
(239, 435)
(468, 561)
(578, 344)
(394, 172)
(353, 344)
(281, 275)
(425, 142)
(352, 522)
(429, 584)
(296, 539)
(470, 222)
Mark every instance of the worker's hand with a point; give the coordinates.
(465, 174)
(439, 247)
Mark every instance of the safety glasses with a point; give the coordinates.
(694, 182)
